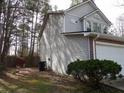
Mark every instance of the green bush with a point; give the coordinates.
(93, 71)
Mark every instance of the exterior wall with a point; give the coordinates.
(72, 22)
(59, 50)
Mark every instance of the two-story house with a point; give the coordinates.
(79, 32)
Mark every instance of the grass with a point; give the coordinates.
(46, 82)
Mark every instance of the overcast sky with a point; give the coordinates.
(109, 7)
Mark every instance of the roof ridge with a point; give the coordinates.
(77, 5)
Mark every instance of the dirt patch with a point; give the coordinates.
(30, 80)
(34, 80)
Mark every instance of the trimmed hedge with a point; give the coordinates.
(93, 71)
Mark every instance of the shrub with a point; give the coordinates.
(93, 71)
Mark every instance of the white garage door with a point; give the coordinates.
(111, 52)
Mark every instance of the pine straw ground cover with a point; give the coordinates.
(30, 80)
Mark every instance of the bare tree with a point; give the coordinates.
(22, 23)
(8, 16)
(38, 10)
(120, 25)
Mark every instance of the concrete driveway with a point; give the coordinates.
(119, 83)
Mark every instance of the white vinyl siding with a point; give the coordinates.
(59, 50)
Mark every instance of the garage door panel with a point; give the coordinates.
(111, 52)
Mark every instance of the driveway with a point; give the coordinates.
(119, 83)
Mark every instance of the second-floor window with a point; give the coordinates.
(96, 27)
(88, 25)
(105, 30)
(99, 27)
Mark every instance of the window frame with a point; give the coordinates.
(88, 25)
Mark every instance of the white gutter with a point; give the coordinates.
(97, 36)
(87, 34)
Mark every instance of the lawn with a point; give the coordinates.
(32, 81)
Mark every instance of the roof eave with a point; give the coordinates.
(95, 36)
(105, 36)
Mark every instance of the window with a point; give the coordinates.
(88, 26)
(99, 27)
(105, 30)
(96, 27)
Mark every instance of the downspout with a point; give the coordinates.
(94, 45)
(88, 44)
(97, 36)
(89, 56)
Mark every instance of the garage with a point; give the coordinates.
(111, 51)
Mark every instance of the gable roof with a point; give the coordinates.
(87, 15)
(96, 10)
(99, 12)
